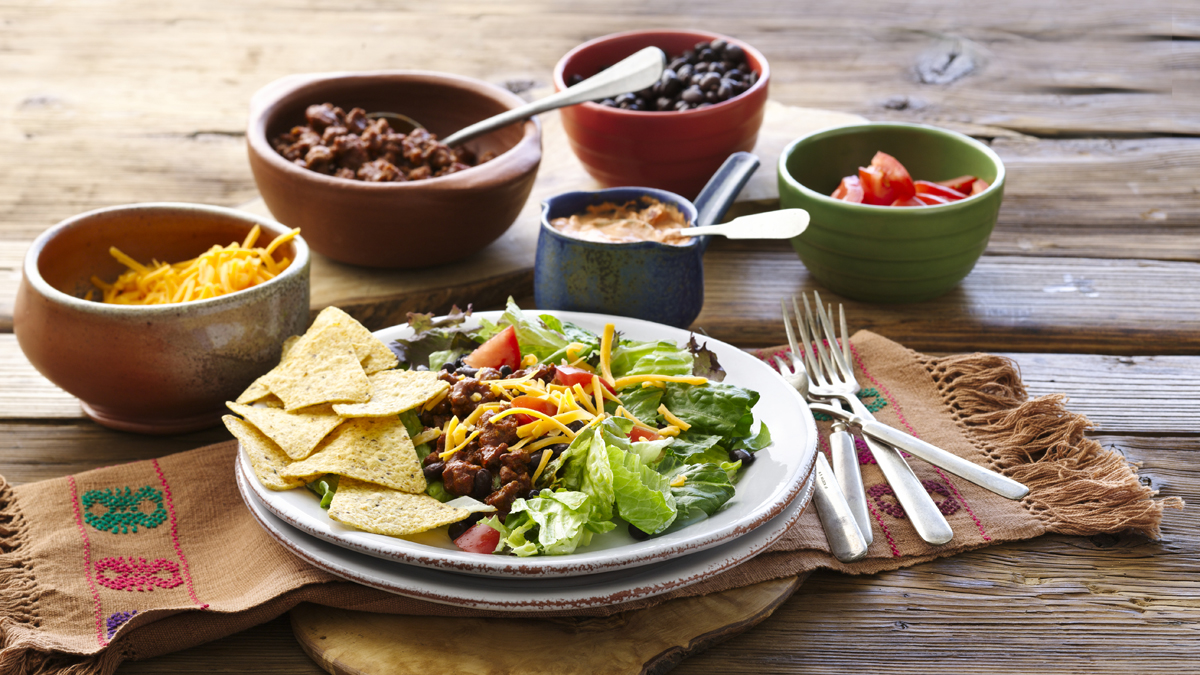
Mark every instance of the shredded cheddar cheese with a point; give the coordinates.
(606, 344)
(541, 467)
(670, 417)
(636, 379)
(216, 272)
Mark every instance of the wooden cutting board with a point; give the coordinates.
(652, 640)
(381, 298)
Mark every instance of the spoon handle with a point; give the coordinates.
(783, 224)
(634, 73)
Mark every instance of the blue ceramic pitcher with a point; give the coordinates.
(646, 280)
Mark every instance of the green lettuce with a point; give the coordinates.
(706, 487)
(643, 496)
(646, 358)
(642, 403)
(715, 408)
(553, 523)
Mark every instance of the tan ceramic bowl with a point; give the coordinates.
(396, 225)
(154, 369)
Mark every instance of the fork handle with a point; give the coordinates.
(846, 541)
(985, 478)
(927, 520)
(849, 477)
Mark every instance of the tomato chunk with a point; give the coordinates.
(886, 181)
(925, 187)
(642, 434)
(569, 376)
(534, 403)
(962, 183)
(978, 186)
(850, 190)
(911, 201)
(500, 350)
(479, 539)
(933, 200)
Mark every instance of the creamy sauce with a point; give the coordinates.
(627, 223)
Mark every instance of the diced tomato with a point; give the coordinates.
(500, 350)
(534, 403)
(978, 186)
(569, 376)
(850, 190)
(524, 419)
(911, 201)
(643, 434)
(925, 187)
(479, 539)
(962, 183)
(886, 181)
(933, 200)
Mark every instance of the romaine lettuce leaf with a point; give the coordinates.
(643, 496)
(643, 403)
(645, 358)
(651, 452)
(553, 523)
(533, 336)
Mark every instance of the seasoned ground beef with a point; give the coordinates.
(350, 145)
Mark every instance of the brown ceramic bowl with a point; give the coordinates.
(161, 368)
(397, 225)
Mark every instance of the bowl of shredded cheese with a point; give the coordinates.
(155, 314)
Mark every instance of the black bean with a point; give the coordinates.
(705, 54)
(576, 425)
(710, 82)
(751, 78)
(696, 78)
(718, 46)
(534, 493)
(483, 484)
(574, 80)
(556, 450)
(685, 73)
(677, 63)
(449, 367)
(638, 534)
(609, 102)
(467, 371)
(663, 103)
(689, 55)
(735, 53)
(505, 370)
(671, 85)
(433, 471)
(699, 47)
(626, 98)
(456, 530)
(706, 104)
(746, 457)
(711, 97)
(733, 74)
(725, 91)
(647, 93)
(680, 106)
(535, 459)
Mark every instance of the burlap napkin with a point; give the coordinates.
(133, 561)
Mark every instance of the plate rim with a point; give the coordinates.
(603, 560)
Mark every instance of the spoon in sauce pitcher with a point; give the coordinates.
(782, 224)
(634, 73)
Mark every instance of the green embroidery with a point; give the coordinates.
(123, 510)
(870, 398)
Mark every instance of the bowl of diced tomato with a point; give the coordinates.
(899, 212)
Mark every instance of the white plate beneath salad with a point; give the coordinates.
(522, 595)
(765, 489)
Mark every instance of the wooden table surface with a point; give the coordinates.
(1091, 280)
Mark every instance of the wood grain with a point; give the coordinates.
(650, 641)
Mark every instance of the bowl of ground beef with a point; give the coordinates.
(366, 190)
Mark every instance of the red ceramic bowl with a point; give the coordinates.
(398, 225)
(674, 151)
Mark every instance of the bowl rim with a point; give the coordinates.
(791, 147)
(271, 93)
(299, 266)
(763, 77)
(689, 210)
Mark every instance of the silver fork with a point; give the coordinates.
(846, 539)
(840, 377)
(828, 379)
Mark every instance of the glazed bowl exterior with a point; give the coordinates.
(674, 151)
(645, 280)
(159, 368)
(396, 225)
(882, 253)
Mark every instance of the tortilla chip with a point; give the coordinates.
(376, 450)
(256, 391)
(287, 346)
(393, 392)
(265, 456)
(372, 352)
(383, 511)
(320, 368)
(296, 433)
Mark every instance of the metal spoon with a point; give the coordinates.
(634, 73)
(782, 224)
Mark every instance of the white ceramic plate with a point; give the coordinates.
(522, 595)
(766, 488)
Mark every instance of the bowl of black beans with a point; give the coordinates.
(673, 135)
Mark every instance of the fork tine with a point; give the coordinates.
(827, 367)
(787, 325)
(810, 361)
(845, 340)
(837, 362)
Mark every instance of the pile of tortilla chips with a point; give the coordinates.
(332, 406)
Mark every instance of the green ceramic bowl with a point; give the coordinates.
(884, 253)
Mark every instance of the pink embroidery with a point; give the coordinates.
(138, 575)
(947, 506)
(87, 559)
(900, 414)
(187, 575)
